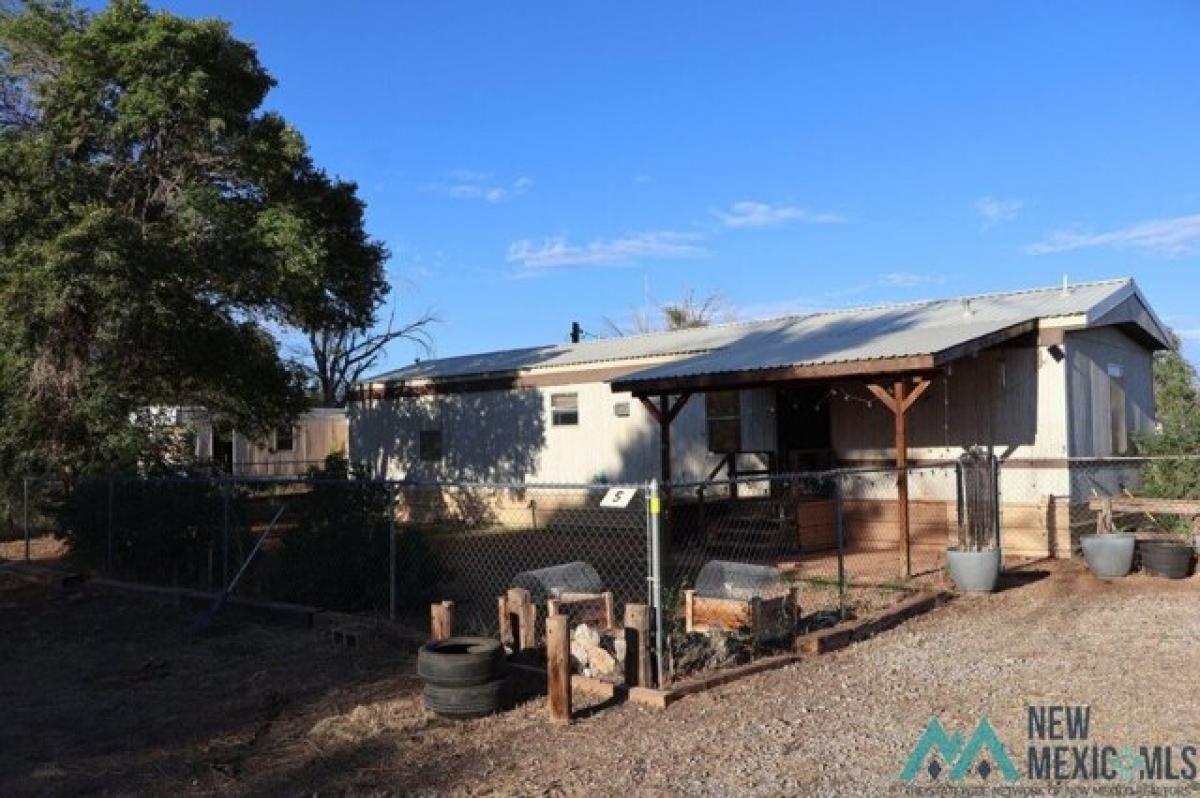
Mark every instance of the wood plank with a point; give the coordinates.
(1139, 504)
(883, 396)
(730, 614)
(842, 635)
(919, 390)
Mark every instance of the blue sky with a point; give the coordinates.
(534, 163)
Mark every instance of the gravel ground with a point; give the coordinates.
(841, 724)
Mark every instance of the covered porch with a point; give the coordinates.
(785, 492)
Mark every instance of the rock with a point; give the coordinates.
(587, 635)
(600, 661)
(579, 655)
(619, 649)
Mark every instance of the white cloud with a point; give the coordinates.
(469, 185)
(553, 253)
(907, 279)
(1176, 236)
(994, 210)
(747, 213)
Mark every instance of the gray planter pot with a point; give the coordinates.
(1108, 556)
(974, 571)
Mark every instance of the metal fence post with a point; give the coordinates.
(655, 504)
(391, 526)
(996, 506)
(226, 489)
(839, 523)
(108, 557)
(25, 511)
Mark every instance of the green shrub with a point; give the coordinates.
(339, 556)
(155, 531)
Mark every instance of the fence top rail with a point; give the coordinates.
(300, 479)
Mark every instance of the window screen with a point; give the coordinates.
(285, 439)
(431, 445)
(564, 409)
(724, 419)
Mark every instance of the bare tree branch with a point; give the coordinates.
(683, 315)
(340, 356)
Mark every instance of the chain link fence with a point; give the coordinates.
(1047, 505)
(763, 557)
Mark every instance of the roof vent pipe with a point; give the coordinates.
(576, 332)
(1066, 286)
(968, 311)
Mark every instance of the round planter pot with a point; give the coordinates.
(974, 571)
(1108, 555)
(1166, 558)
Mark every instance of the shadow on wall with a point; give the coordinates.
(486, 436)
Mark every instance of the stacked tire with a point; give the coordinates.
(464, 677)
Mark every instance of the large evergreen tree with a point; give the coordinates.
(155, 225)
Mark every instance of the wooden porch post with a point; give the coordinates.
(664, 413)
(899, 400)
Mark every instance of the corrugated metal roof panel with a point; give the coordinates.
(830, 337)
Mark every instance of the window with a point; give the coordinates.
(1117, 411)
(564, 409)
(723, 413)
(430, 445)
(285, 440)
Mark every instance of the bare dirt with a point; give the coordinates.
(108, 694)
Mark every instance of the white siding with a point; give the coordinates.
(507, 436)
(1011, 399)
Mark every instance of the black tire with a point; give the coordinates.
(476, 701)
(460, 661)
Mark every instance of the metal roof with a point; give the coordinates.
(869, 333)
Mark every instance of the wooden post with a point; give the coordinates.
(902, 472)
(899, 400)
(689, 603)
(793, 604)
(637, 645)
(441, 620)
(558, 667)
(552, 607)
(522, 616)
(610, 622)
(506, 631)
(529, 626)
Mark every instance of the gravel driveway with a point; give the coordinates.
(841, 724)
